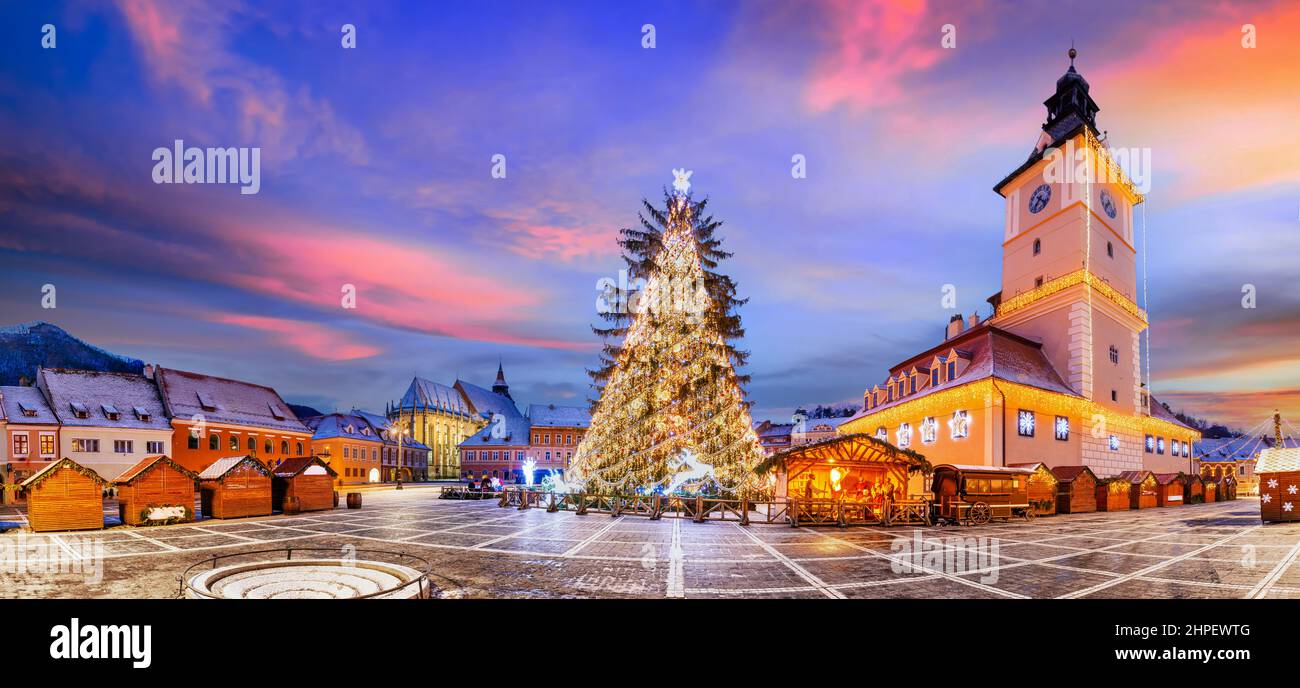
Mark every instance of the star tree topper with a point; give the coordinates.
(681, 180)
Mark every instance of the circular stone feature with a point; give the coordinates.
(306, 579)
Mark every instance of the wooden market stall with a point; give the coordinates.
(1076, 489)
(1113, 494)
(854, 473)
(1042, 488)
(156, 491)
(1142, 489)
(1193, 489)
(65, 495)
(235, 487)
(1227, 488)
(1211, 487)
(1279, 484)
(1170, 489)
(976, 494)
(305, 479)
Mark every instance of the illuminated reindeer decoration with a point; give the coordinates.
(695, 471)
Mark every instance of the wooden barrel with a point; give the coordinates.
(354, 500)
(292, 505)
(336, 499)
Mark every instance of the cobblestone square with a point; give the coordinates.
(480, 550)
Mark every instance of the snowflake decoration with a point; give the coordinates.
(1025, 423)
(1272, 483)
(1151, 444)
(929, 430)
(1266, 498)
(1114, 442)
(1291, 489)
(959, 424)
(1062, 428)
(882, 434)
(1286, 506)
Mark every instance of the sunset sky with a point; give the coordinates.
(376, 172)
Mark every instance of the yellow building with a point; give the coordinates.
(442, 417)
(1055, 375)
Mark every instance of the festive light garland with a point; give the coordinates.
(979, 394)
(1055, 286)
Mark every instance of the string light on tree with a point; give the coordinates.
(671, 412)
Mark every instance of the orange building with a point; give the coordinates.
(350, 445)
(213, 418)
(556, 433)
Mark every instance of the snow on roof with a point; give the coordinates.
(221, 467)
(1274, 460)
(822, 424)
(297, 464)
(220, 400)
(16, 399)
(551, 415)
(487, 403)
(94, 391)
(424, 393)
(512, 432)
(986, 469)
(346, 425)
(50, 469)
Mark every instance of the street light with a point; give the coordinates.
(400, 428)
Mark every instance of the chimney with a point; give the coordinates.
(974, 320)
(954, 327)
(148, 370)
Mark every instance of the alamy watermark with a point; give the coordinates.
(951, 555)
(24, 557)
(1069, 164)
(194, 165)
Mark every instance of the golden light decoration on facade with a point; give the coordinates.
(1055, 286)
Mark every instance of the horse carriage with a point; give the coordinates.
(975, 495)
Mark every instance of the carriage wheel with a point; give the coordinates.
(979, 514)
(1029, 514)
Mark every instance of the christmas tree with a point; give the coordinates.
(671, 411)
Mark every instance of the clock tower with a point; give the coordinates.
(1069, 262)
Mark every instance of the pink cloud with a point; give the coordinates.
(876, 47)
(313, 339)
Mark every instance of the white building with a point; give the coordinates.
(109, 420)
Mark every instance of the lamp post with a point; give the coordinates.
(400, 429)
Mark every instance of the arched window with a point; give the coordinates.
(299, 448)
(234, 443)
(252, 445)
(268, 447)
(214, 442)
(1038, 246)
(284, 447)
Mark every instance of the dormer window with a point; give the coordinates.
(206, 402)
(1038, 246)
(142, 414)
(79, 410)
(110, 411)
(952, 370)
(934, 376)
(26, 410)
(276, 413)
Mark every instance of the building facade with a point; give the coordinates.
(351, 445)
(1055, 374)
(414, 455)
(109, 421)
(440, 419)
(554, 435)
(31, 435)
(214, 418)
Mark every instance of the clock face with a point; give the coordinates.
(1108, 204)
(1039, 199)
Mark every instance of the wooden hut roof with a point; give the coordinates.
(1166, 478)
(856, 448)
(1067, 474)
(149, 462)
(1134, 477)
(1014, 470)
(1276, 460)
(290, 467)
(50, 469)
(1036, 466)
(221, 467)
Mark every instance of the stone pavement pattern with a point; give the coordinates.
(481, 550)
